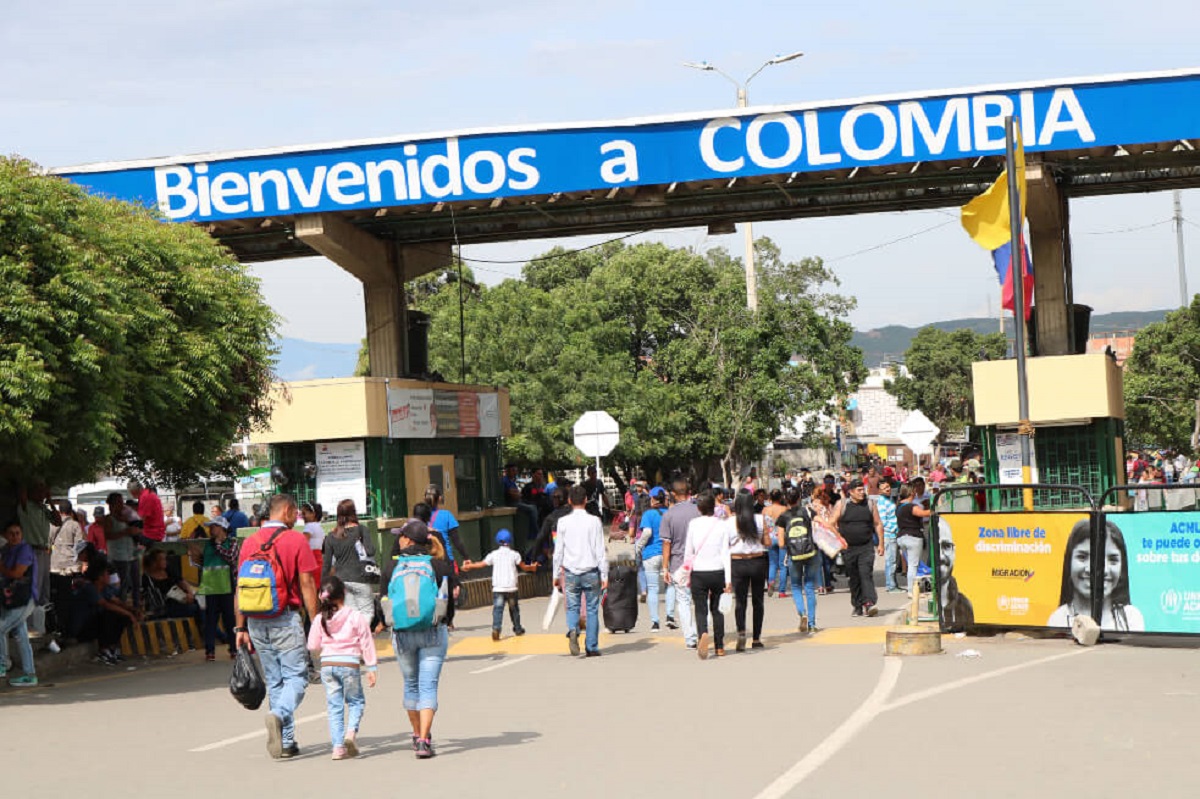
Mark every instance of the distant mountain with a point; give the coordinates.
(314, 360)
(891, 342)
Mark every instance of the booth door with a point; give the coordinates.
(421, 470)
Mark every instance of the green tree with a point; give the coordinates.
(1162, 382)
(125, 342)
(939, 374)
(661, 339)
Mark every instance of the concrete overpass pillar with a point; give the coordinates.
(1049, 248)
(383, 268)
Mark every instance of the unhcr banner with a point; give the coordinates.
(1151, 571)
(1007, 569)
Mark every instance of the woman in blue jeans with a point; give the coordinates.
(420, 653)
(19, 567)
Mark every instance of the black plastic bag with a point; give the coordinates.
(246, 682)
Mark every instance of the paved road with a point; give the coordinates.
(820, 716)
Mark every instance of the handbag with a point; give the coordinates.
(827, 540)
(16, 592)
(369, 566)
(177, 594)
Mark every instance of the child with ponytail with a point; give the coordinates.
(343, 637)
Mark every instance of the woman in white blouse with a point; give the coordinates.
(707, 553)
(748, 547)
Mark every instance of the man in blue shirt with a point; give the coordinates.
(235, 517)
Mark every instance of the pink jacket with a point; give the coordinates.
(348, 641)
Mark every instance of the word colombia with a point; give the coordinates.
(498, 165)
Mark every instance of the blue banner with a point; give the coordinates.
(512, 163)
(1161, 571)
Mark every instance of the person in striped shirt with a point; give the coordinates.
(887, 515)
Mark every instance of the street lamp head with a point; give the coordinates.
(704, 66)
(780, 59)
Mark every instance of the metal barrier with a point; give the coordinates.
(1012, 574)
(1148, 560)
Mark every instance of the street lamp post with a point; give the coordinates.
(743, 98)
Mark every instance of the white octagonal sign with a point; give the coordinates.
(917, 432)
(597, 434)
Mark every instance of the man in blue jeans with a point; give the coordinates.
(279, 640)
(581, 566)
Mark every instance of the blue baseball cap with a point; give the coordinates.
(504, 537)
(658, 492)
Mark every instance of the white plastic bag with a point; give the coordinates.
(725, 604)
(552, 608)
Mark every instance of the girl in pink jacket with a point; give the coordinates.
(343, 637)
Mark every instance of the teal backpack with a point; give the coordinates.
(412, 592)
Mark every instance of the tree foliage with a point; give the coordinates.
(1162, 381)
(662, 340)
(125, 342)
(939, 374)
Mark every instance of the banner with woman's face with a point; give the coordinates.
(1163, 572)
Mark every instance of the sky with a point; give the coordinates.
(87, 82)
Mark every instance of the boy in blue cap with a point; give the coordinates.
(504, 562)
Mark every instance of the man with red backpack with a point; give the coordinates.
(275, 576)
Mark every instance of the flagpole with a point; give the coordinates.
(1017, 265)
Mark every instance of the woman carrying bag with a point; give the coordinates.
(748, 546)
(707, 563)
(349, 553)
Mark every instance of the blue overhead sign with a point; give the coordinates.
(511, 163)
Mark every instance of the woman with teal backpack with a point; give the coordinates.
(420, 647)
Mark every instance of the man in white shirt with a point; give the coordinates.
(581, 566)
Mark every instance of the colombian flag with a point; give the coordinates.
(986, 220)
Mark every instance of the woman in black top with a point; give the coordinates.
(347, 551)
(910, 521)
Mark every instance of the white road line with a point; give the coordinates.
(867, 711)
(250, 736)
(503, 664)
(987, 675)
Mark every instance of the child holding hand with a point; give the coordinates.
(343, 637)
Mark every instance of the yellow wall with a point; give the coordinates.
(353, 407)
(1061, 388)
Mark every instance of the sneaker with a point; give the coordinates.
(519, 632)
(495, 635)
(593, 653)
(870, 609)
(857, 612)
(573, 642)
(210, 657)
(339, 753)
(654, 627)
(784, 594)
(351, 746)
(756, 645)
(691, 644)
(24, 681)
(416, 743)
(804, 624)
(702, 646)
(424, 748)
(671, 625)
(813, 629)
(290, 751)
(274, 735)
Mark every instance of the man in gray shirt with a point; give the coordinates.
(674, 540)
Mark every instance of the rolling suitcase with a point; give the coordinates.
(621, 600)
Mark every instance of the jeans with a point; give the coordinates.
(778, 572)
(576, 584)
(499, 600)
(826, 570)
(361, 597)
(14, 620)
(281, 649)
(679, 607)
(707, 588)
(653, 571)
(421, 654)
(217, 608)
(808, 577)
(860, 568)
(343, 690)
(889, 567)
(749, 576)
(130, 573)
(912, 553)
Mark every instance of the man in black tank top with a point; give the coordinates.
(858, 522)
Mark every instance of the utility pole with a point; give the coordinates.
(1183, 292)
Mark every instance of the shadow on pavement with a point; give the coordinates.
(387, 744)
